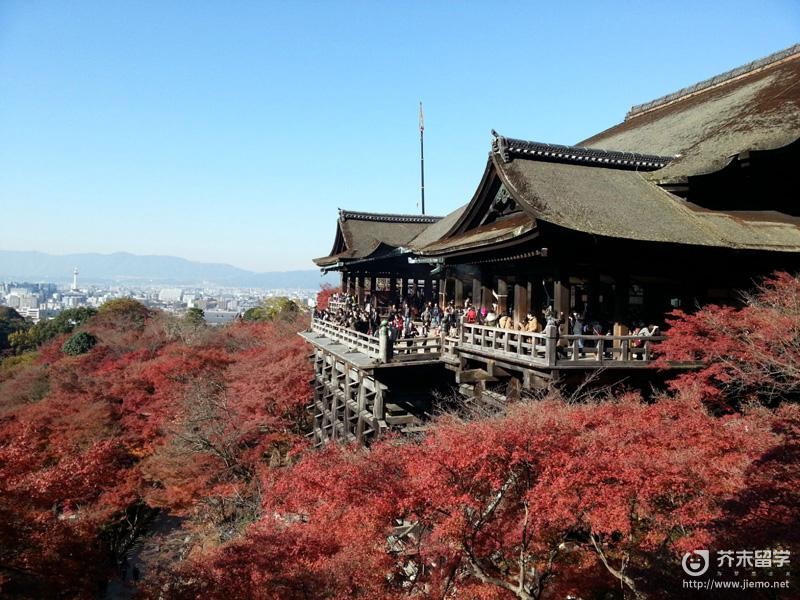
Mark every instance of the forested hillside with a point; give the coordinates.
(166, 459)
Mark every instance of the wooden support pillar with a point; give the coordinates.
(621, 289)
(486, 297)
(532, 300)
(443, 292)
(561, 300)
(348, 283)
(521, 307)
(359, 289)
(502, 296)
(459, 292)
(476, 292)
(369, 287)
(362, 403)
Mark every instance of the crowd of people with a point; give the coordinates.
(415, 317)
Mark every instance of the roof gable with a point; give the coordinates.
(598, 197)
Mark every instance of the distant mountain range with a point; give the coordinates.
(122, 267)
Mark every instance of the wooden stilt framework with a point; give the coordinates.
(348, 402)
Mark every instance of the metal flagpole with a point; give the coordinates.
(422, 157)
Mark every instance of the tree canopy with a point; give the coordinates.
(278, 308)
(66, 321)
(186, 457)
(10, 322)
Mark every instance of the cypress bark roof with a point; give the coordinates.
(624, 204)
(362, 235)
(754, 107)
(607, 201)
(609, 185)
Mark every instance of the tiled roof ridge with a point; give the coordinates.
(717, 80)
(386, 217)
(506, 147)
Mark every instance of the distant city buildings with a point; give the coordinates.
(37, 301)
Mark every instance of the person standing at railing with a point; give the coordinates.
(426, 316)
(449, 319)
(641, 334)
(532, 324)
(577, 324)
(471, 316)
(505, 322)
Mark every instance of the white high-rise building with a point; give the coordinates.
(170, 295)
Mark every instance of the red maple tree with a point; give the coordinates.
(550, 499)
(748, 354)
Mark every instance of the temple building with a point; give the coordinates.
(686, 202)
(372, 250)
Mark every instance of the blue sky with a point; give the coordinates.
(232, 131)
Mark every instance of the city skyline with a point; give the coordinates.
(154, 129)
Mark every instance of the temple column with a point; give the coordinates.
(476, 292)
(621, 288)
(502, 296)
(459, 292)
(521, 306)
(393, 288)
(443, 292)
(531, 299)
(561, 300)
(487, 298)
(359, 289)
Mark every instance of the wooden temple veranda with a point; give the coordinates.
(688, 200)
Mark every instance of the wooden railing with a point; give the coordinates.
(551, 350)
(379, 348)
(417, 348)
(608, 348)
(546, 349)
(351, 338)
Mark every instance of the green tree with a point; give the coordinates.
(80, 343)
(279, 308)
(195, 316)
(125, 307)
(10, 322)
(65, 322)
